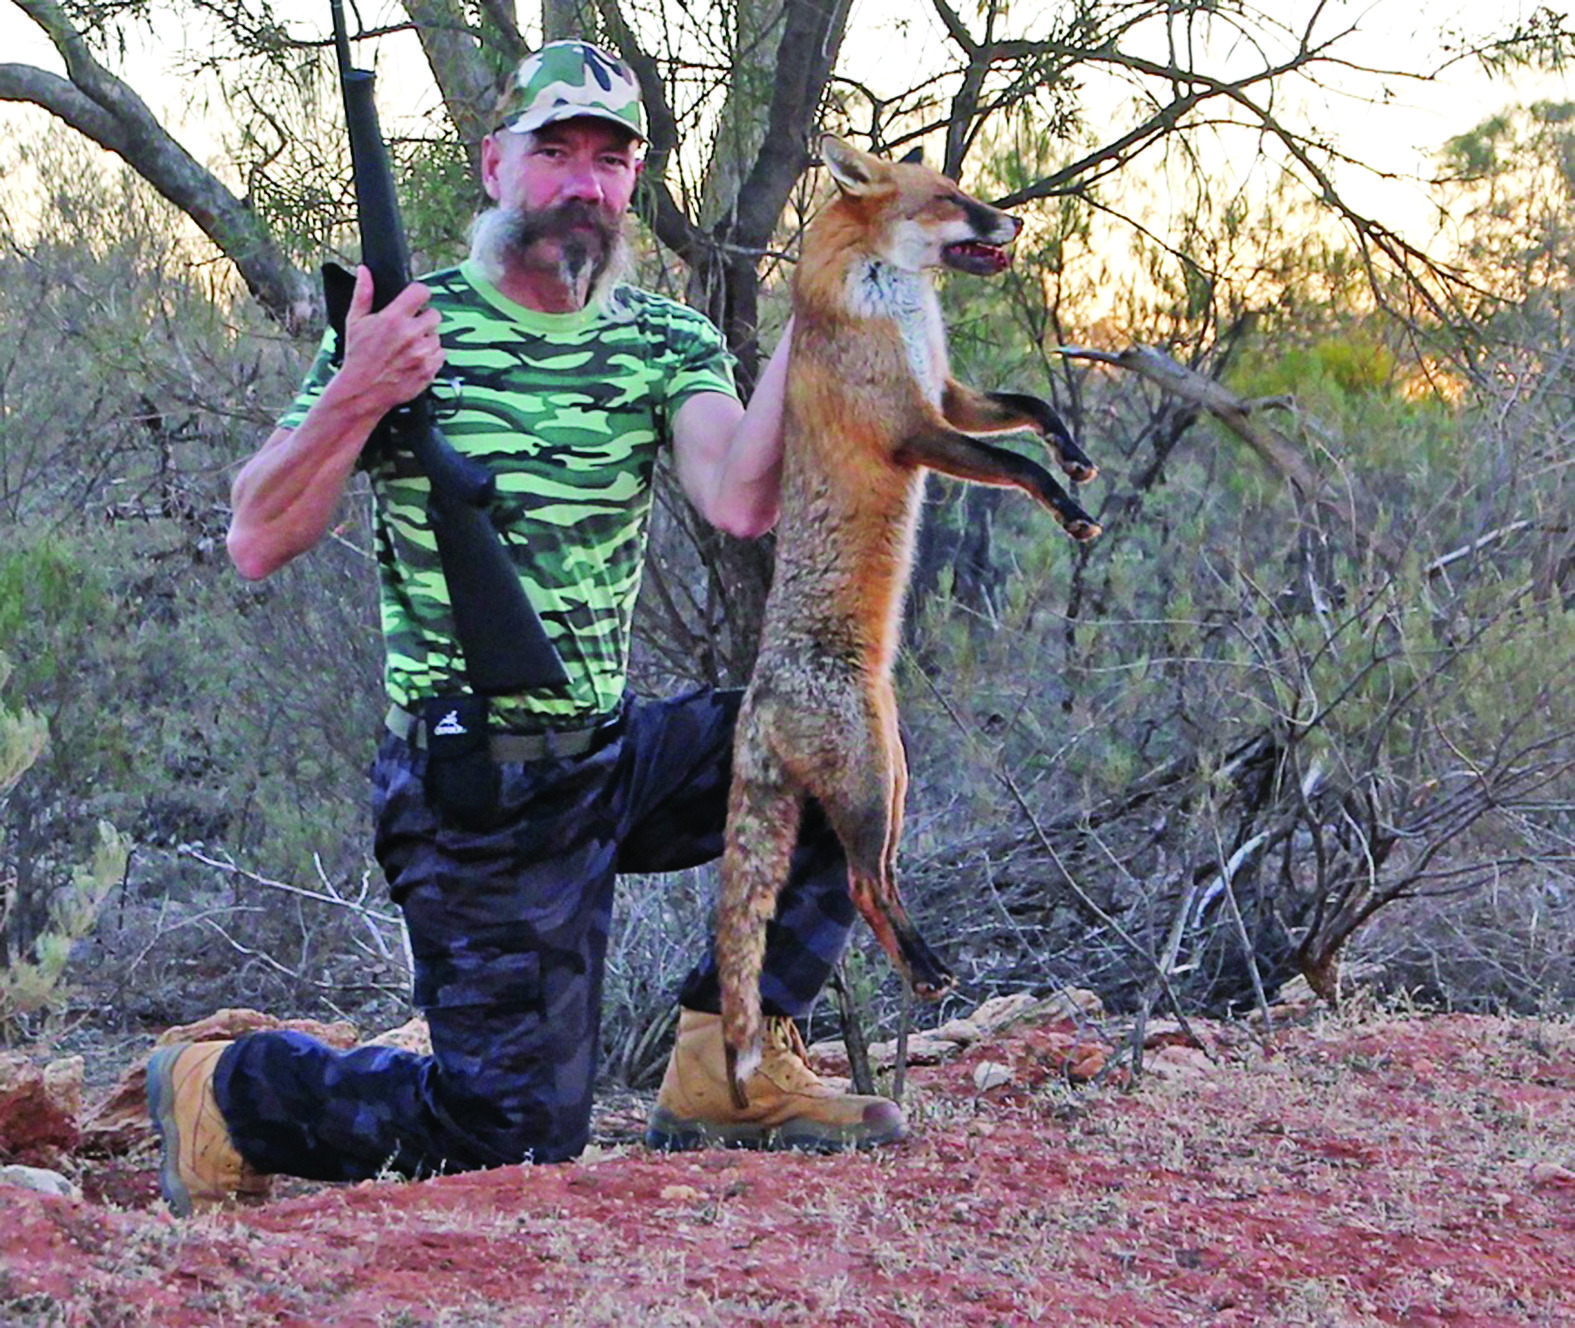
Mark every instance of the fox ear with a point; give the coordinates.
(852, 170)
(914, 158)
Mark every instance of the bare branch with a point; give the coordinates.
(1271, 446)
(123, 124)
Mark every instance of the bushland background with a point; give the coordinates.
(1303, 710)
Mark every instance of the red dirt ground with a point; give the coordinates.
(1416, 1171)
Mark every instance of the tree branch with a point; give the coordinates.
(64, 100)
(106, 110)
(454, 55)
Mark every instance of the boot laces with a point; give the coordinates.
(783, 1034)
(783, 1038)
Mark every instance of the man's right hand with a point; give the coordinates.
(284, 499)
(393, 355)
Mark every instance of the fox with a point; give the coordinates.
(870, 406)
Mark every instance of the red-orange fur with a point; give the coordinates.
(863, 418)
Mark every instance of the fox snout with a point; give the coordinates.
(983, 253)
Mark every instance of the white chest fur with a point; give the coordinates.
(878, 290)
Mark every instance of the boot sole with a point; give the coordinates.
(666, 1133)
(161, 1108)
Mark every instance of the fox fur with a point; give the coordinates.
(870, 405)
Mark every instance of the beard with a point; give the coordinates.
(585, 247)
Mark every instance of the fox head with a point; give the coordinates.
(916, 217)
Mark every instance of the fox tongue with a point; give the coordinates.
(976, 257)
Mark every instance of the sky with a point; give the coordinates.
(1398, 134)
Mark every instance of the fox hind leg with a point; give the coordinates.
(927, 975)
(865, 808)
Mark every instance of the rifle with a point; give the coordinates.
(506, 648)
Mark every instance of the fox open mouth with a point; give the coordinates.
(977, 257)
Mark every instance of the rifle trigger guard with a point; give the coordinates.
(446, 405)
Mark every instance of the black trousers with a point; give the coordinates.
(508, 929)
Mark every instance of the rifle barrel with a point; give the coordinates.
(505, 646)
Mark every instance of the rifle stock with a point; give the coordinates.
(506, 648)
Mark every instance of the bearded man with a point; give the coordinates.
(569, 384)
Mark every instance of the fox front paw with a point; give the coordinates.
(1077, 466)
(1041, 417)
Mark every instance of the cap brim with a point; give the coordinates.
(528, 123)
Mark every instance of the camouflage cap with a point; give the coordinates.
(568, 79)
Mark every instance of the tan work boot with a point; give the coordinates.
(200, 1166)
(789, 1105)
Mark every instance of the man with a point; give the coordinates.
(567, 384)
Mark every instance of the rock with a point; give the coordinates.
(1551, 1173)
(1198, 1035)
(40, 1107)
(63, 1083)
(999, 1011)
(413, 1036)
(828, 1057)
(990, 1074)
(936, 1045)
(1073, 1003)
(1087, 1062)
(40, 1181)
(964, 1032)
(1065, 1053)
(1297, 992)
(1178, 1062)
(923, 1049)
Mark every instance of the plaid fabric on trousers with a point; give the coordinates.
(508, 930)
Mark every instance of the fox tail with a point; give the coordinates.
(762, 829)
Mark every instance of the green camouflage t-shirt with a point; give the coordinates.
(569, 411)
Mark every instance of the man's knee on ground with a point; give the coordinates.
(505, 1132)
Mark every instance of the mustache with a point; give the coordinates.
(519, 228)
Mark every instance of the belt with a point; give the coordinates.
(522, 747)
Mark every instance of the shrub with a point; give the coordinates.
(33, 961)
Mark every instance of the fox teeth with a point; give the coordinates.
(975, 256)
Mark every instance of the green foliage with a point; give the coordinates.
(31, 975)
(1219, 628)
(1510, 196)
(438, 197)
(295, 155)
(1353, 364)
(22, 737)
(34, 984)
(183, 705)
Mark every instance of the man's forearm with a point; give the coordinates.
(754, 466)
(286, 496)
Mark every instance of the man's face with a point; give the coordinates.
(565, 189)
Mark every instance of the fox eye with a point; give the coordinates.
(950, 199)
